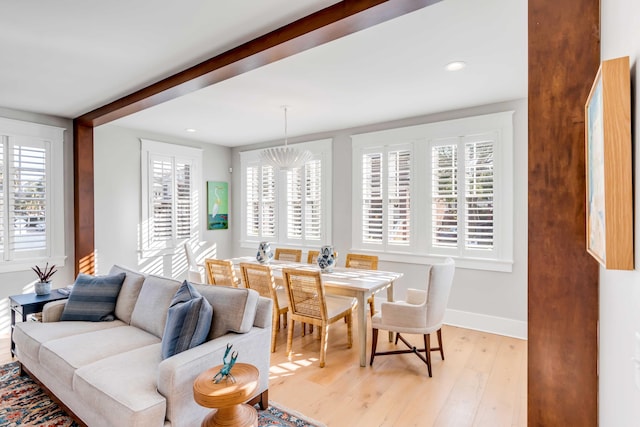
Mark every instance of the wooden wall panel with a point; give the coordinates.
(564, 54)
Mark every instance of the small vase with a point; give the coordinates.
(43, 288)
(264, 254)
(326, 259)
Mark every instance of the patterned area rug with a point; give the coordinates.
(25, 404)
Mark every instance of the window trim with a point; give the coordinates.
(321, 149)
(149, 148)
(53, 139)
(420, 137)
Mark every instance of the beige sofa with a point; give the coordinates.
(112, 373)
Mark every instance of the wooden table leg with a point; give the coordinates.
(362, 328)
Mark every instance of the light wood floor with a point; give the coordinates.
(482, 382)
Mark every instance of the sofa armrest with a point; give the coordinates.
(264, 313)
(177, 374)
(52, 311)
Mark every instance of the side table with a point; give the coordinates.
(228, 397)
(26, 304)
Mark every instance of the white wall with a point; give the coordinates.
(22, 281)
(118, 207)
(619, 398)
(482, 300)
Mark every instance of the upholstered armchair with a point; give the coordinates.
(422, 313)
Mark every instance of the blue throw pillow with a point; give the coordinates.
(93, 298)
(188, 321)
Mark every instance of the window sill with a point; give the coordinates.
(503, 266)
(26, 264)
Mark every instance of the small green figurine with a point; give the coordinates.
(225, 371)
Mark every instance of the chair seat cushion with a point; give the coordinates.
(283, 301)
(337, 305)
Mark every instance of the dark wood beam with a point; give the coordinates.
(331, 23)
(564, 55)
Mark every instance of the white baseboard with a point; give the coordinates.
(485, 323)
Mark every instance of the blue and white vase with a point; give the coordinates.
(264, 254)
(326, 259)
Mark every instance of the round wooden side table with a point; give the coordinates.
(228, 397)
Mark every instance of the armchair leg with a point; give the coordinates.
(427, 346)
(440, 343)
(411, 349)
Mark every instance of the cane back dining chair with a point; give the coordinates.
(365, 262)
(260, 278)
(308, 303)
(293, 255)
(221, 272)
(421, 313)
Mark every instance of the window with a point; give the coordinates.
(462, 195)
(31, 195)
(287, 207)
(171, 196)
(386, 197)
(439, 189)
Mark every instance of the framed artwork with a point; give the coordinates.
(608, 166)
(217, 205)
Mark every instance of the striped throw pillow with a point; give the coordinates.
(188, 321)
(93, 298)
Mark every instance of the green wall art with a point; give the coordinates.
(217, 205)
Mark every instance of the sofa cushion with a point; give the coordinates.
(29, 336)
(188, 321)
(121, 389)
(128, 293)
(150, 311)
(63, 356)
(234, 309)
(93, 298)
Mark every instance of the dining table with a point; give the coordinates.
(351, 282)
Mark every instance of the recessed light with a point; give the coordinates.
(455, 65)
(190, 130)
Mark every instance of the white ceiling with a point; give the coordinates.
(70, 57)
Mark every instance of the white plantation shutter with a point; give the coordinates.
(260, 197)
(171, 199)
(372, 198)
(386, 196)
(289, 207)
(436, 189)
(26, 181)
(304, 202)
(184, 199)
(444, 195)
(252, 192)
(479, 191)
(399, 198)
(170, 188)
(295, 218)
(31, 195)
(313, 200)
(462, 193)
(268, 202)
(162, 199)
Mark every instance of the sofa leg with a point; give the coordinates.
(262, 399)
